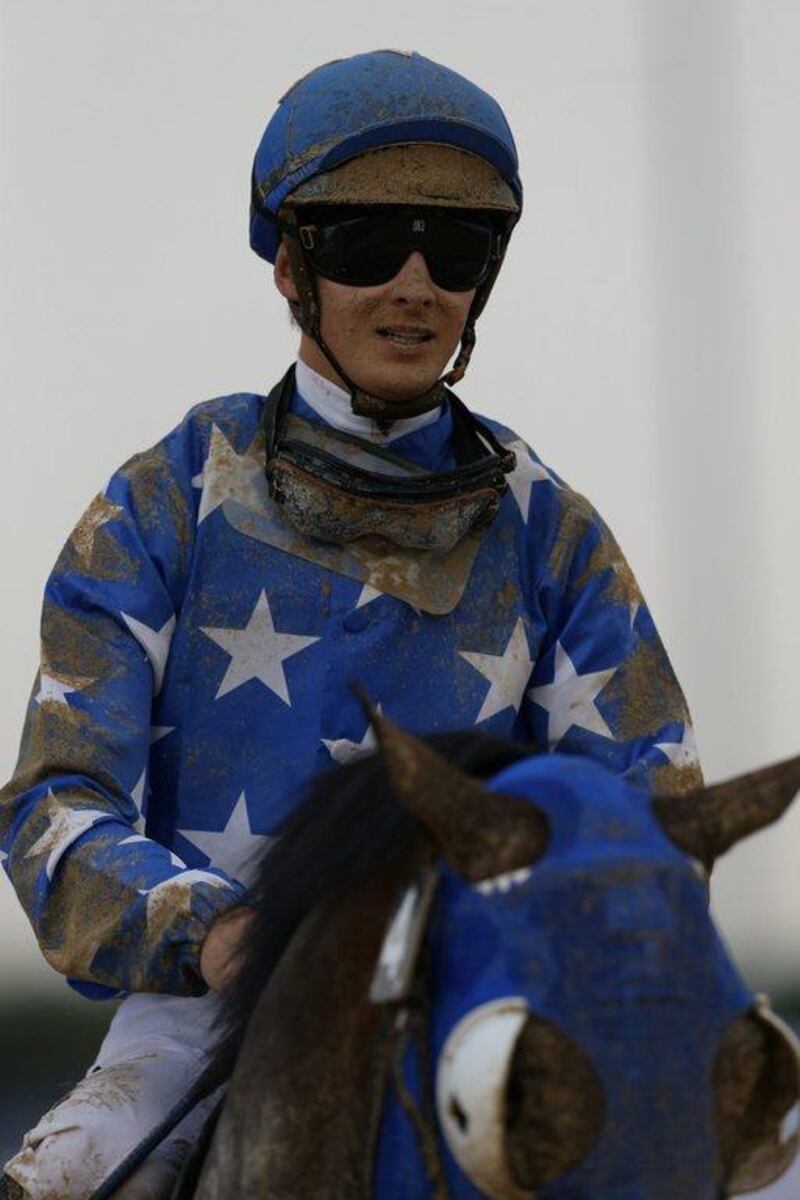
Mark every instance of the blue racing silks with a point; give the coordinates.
(196, 672)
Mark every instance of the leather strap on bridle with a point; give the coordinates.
(407, 1034)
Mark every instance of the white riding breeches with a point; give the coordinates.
(155, 1049)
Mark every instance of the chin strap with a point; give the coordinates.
(306, 312)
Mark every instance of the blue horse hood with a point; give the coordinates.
(609, 939)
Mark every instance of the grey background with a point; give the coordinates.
(644, 335)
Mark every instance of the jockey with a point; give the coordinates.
(208, 615)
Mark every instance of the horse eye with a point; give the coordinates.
(756, 1081)
(555, 1105)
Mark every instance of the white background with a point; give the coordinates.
(644, 335)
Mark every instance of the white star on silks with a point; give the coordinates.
(508, 673)
(155, 643)
(367, 593)
(233, 849)
(227, 475)
(257, 651)
(56, 688)
(682, 753)
(137, 796)
(342, 750)
(162, 902)
(66, 826)
(98, 514)
(157, 732)
(570, 699)
(526, 473)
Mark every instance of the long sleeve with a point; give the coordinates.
(110, 906)
(602, 684)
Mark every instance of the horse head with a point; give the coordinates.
(590, 1036)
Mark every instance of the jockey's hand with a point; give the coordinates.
(220, 954)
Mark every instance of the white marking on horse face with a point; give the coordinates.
(471, 1077)
(505, 882)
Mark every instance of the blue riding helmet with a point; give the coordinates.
(374, 100)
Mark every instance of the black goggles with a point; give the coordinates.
(368, 247)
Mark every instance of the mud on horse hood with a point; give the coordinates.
(620, 955)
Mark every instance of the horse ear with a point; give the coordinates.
(478, 833)
(708, 821)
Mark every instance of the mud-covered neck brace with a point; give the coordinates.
(332, 403)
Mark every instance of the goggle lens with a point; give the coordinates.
(370, 248)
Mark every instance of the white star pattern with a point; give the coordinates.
(342, 750)
(164, 907)
(155, 643)
(66, 826)
(257, 651)
(682, 753)
(570, 699)
(508, 673)
(234, 849)
(227, 475)
(157, 732)
(526, 473)
(55, 689)
(98, 514)
(367, 593)
(137, 795)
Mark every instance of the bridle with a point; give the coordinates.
(399, 984)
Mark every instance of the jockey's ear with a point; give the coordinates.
(707, 822)
(478, 833)
(283, 275)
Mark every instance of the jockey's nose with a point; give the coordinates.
(412, 284)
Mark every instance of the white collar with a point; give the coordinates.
(332, 403)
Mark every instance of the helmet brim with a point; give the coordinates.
(419, 173)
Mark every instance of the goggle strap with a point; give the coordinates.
(469, 433)
(459, 367)
(303, 279)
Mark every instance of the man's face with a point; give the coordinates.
(394, 339)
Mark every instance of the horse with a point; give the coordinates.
(483, 972)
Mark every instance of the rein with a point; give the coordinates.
(208, 1082)
(410, 1031)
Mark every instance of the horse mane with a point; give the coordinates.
(348, 825)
